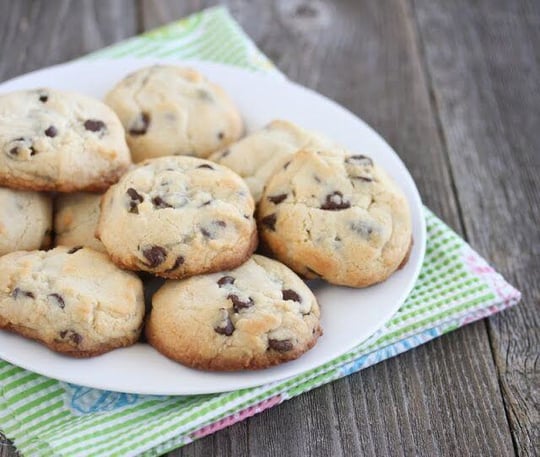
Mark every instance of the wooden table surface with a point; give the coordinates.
(454, 87)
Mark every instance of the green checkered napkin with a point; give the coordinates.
(45, 417)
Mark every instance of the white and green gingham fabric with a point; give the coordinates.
(45, 417)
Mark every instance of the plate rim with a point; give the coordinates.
(278, 78)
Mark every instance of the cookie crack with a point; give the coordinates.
(141, 87)
(334, 233)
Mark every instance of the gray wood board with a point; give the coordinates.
(485, 85)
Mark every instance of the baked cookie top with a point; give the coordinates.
(257, 315)
(336, 215)
(75, 220)
(73, 300)
(61, 141)
(170, 110)
(178, 216)
(25, 220)
(258, 155)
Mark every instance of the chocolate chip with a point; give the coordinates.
(206, 203)
(210, 233)
(286, 165)
(94, 125)
(277, 199)
(72, 335)
(239, 304)
(220, 135)
(317, 179)
(225, 281)
(159, 203)
(57, 300)
(362, 228)
(134, 195)
(205, 165)
(269, 222)
(76, 338)
(335, 202)
(225, 325)
(225, 153)
(136, 198)
(179, 261)
(280, 345)
(155, 255)
(21, 293)
(289, 294)
(227, 329)
(74, 249)
(15, 151)
(51, 131)
(140, 126)
(360, 160)
(43, 98)
(205, 95)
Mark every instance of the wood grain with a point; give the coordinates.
(34, 34)
(485, 84)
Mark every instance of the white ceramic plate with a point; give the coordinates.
(349, 316)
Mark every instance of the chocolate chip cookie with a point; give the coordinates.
(25, 220)
(178, 216)
(336, 215)
(61, 141)
(75, 301)
(257, 156)
(169, 110)
(257, 315)
(75, 220)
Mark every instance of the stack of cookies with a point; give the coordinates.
(157, 181)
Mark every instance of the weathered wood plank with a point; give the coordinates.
(485, 83)
(6, 447)
(365, 56)
(36, 34)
